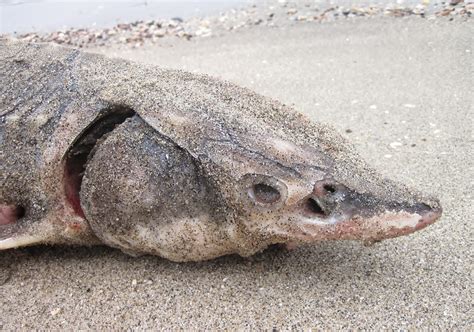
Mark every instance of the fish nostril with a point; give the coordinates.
(312, 207)
(329, 188)
(326, 188)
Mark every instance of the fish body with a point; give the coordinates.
(169, 163)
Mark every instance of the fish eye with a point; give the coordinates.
(263, 191)
(264, 194)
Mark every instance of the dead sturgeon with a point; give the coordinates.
(184, 166)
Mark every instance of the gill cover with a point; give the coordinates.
(138, 187)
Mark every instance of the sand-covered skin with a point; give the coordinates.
(394, 84)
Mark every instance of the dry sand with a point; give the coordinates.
(399, 90)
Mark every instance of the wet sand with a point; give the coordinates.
(399, 90)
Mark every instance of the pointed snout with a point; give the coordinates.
(397, 218)
(429, 217)
(349, 214)
(429, 213)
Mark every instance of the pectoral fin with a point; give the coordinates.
(16, 230)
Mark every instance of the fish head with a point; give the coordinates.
(277, 176)
(297, 192)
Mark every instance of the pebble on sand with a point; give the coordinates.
(138, 33)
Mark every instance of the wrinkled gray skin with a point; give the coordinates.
(184, 166)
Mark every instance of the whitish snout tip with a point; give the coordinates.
(430, 216)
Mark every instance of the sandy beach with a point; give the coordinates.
(398, 89)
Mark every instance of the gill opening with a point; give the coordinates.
(82, 150)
